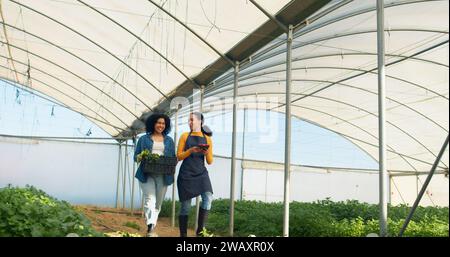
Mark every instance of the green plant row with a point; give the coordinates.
(319, 219)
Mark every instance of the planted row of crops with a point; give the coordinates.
(320, 219)
(31, 212)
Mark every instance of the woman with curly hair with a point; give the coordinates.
(154, 186)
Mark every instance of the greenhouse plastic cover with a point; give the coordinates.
(114, 61)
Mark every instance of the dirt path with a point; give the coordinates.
(106, 220)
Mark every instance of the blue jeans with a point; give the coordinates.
(205, 204)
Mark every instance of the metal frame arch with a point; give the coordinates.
(57, 65)
(141, 40)
(225, 81)
(76, 89)
(347, 85)
(390, 123)
(296, 46)
(337, 19)
(231, 62)
(81, 59)
(96, 44)
(341, 134)
(67, 106)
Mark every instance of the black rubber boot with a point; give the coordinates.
(202, 218)
(183, 222)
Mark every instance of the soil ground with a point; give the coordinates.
(109, 220)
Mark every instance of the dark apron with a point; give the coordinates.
(193, 178)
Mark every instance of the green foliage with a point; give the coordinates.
(132, 224)
(206, 233)
(147, 155)
(31, 212)
(319, 219)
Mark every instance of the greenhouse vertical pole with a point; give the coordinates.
(243, 155)
(424, 187)
(382, 119)
(233, 148)
(118, 175)
(390, 187)
(287, 139)
(197, 199)
(132, 178)
(174, 182)
(125, 160)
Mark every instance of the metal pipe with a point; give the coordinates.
(424, 187)
(98, 45)
(118, 175)
(124, 174)
(382, 119)
(243, 156)
(348, 137)
(287, 142)
(79, 58)
(270, 16)
(132, 178)
(174, 179)
(197, 199)
(233, 148)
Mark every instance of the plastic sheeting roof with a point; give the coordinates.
(113, 61)
(335, 78)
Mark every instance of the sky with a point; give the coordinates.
(24, 113)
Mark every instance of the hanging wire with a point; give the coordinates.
(8, 47)
(212, 23)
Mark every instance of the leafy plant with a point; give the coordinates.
(31, 212)
(132, 224)
(323, 218)
(147, 155)
(206, 233)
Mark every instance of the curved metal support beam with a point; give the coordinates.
(300, 33)
(266, 57)
(96, 44)
(104, 121)
(360, 70)
(69, 108)
(340, 102)
(270, 16)
(349, 86)
(54, 77)
(339, 68)
(392, 150)
(227, 79)
(81, 59)
(354, 125)
(362, 73)
(143, 41)
(57, 65)
(347, 137)
(231, 62)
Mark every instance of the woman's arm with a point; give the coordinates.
(209, 153)
(181, 154)
(138, 149)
